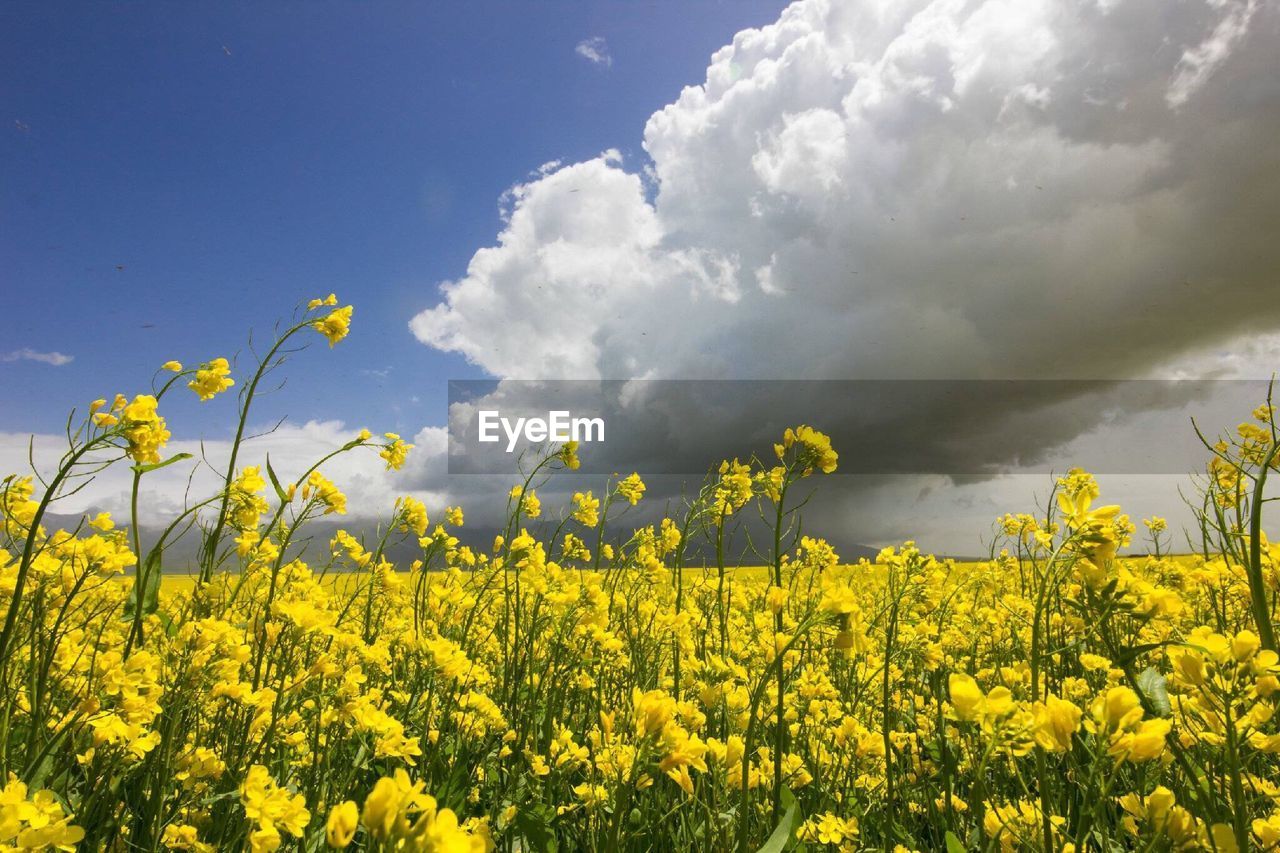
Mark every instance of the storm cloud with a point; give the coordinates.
(920, 191)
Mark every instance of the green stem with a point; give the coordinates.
(28, 550)
(1257, 583)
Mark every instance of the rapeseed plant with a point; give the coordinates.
(581, 685)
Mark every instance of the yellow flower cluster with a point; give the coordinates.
(271, 809)
(211, 379)
(34, 821)
(582, 685)
(336, 325)
(144, 429)
(399, 814)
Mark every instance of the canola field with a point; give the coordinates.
(577, 686)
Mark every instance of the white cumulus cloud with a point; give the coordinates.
(54, 358)
(909, 189)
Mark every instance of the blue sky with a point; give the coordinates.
(175, 173)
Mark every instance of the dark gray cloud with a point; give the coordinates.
(964, 430)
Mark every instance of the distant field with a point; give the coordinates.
(340, 580)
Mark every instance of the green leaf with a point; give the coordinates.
(1152, 685)
(533, 824)
(169, 625)
(149, 576)
(156, 466)
(786, 827)
(155, 571)
(954, 845)
(275, 481)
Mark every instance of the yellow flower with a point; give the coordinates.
(966, 697)
(632, 489)
(1244, 645)
(568, 454)
(395, 453)
(413, 515)
(381, 808)
(828, 829)
(969, 703)
(244, 505)
(400, 813)
(1118, 708)
(1096, 663)
(1189, 665)
(178, 836)
(211, 379)
(1267, 831)
(1010, 823)
(776, 598)
(1144, 743)
(326, 492)
(1223, 838)
(36, 821)
(733, 489)
(144, 429)
(586, 509)
(271, 808)
(592, 796)
(341, 826)
(1164, 816)
(1056, 723)
(815, 449)
(336, 325)
(652, 710)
